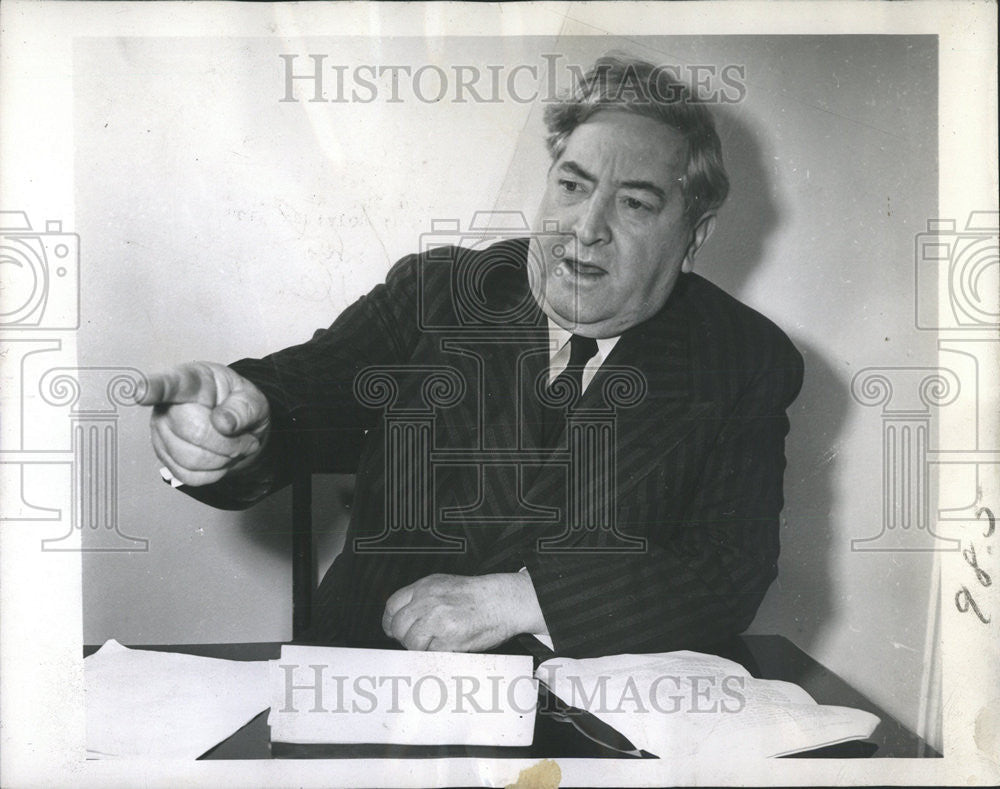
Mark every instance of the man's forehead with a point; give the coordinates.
(635, 145)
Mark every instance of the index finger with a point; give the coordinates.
(183, 384)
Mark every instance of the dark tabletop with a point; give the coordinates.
(765, 657)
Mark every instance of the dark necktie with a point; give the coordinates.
(581, 350)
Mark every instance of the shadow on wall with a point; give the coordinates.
(750, 215)
(800, 603)
(268, 524)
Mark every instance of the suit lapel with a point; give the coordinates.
(657, 354)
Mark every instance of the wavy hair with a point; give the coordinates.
(620, 82)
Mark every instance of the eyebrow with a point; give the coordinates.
(647, 186)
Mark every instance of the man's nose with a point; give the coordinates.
(592, 225)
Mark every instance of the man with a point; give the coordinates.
(668, 543)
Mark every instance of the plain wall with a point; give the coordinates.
(217, 222)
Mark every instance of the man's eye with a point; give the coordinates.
(569, 186)
(633, 204)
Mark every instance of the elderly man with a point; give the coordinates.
(669, 542)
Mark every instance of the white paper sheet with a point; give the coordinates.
(340, 695)
(167, 705)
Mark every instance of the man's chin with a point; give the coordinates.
(578, 315)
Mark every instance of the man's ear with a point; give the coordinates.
(699, 236)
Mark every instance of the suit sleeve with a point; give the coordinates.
(316, 421)
(701, 580)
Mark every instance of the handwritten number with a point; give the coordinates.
(964, 601)
(981, 575)
(963, 597)
(990, 517)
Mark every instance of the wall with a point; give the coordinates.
(218, 222)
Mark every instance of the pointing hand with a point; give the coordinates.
(207, 420)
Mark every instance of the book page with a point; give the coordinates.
(692, 704)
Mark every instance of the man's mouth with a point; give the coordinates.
(582, 269)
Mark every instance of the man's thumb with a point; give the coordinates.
(225, 421)
(243, 411)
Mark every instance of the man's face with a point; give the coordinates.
(617, 189)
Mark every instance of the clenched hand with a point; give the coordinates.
(459, 613)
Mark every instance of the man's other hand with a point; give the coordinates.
(207, 421)
(458, 613)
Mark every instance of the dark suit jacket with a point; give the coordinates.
(683, 542)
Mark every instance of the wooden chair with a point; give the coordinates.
(304, 579)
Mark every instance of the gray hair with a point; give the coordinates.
(619, 82)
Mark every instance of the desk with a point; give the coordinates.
(766, 657)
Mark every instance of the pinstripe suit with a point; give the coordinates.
(696, 480)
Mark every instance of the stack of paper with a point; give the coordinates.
(333, 695)
(690, 704)
(164, 704)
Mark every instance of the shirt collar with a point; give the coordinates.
(558, 337)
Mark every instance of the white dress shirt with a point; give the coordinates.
(559, 350)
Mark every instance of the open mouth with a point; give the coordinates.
(581, 269)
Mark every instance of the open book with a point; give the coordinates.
(668, 704)
(688, 704)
